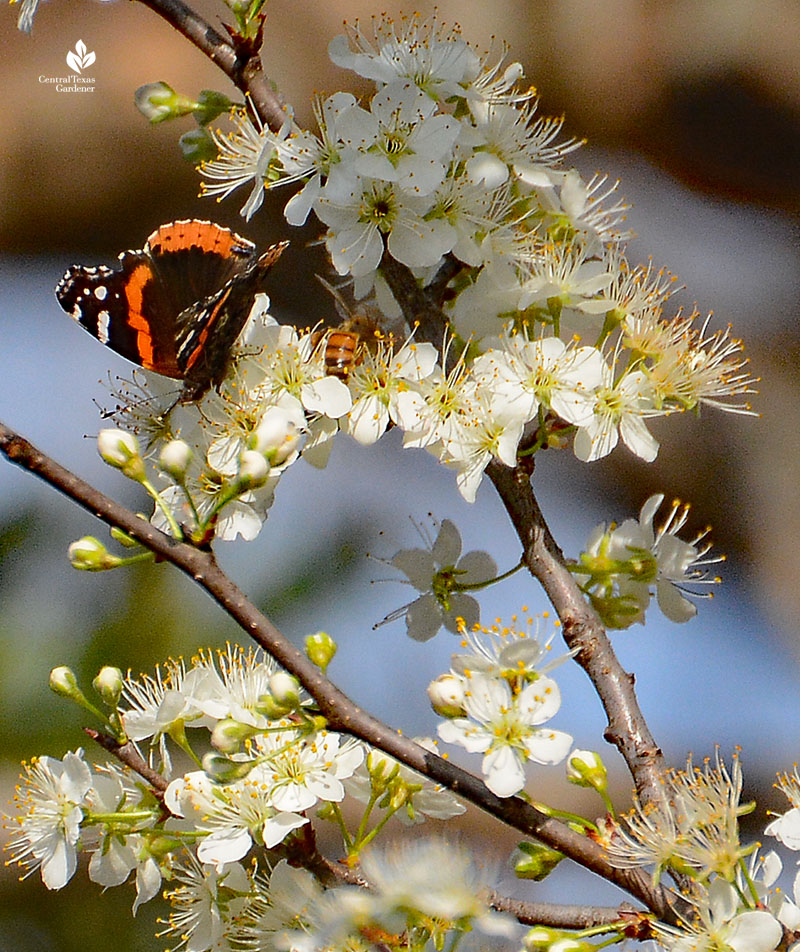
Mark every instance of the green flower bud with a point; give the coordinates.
(159, 102)
(285, 690)
(276, 436)
(537, 862)
(253, 470)
(382, 769)
(64, 683)
(121, 450)
(446, 694)
(273, 710)
(223, 770)
(108, 685)
(585, 768)
(90, 555)
(320, 649)
(228, 735)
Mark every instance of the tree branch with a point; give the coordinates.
(240, 60)
(582, 629)
(419, 306)
(341, 713)
(130, 756)
(557, 916)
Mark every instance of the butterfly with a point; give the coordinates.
(178, 305)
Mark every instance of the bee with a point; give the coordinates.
(360, 332)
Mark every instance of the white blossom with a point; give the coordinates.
(505, 727)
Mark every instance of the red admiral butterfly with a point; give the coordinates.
(178, 305)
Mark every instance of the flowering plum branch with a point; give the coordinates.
(489, 313)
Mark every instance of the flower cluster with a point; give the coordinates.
(786, 829)
(56, 804)
(268, 763)
(496, 699)
(731, 904)
(448, 162)
(549, 334)
(699, 832)
(425, 894)
(622, 564)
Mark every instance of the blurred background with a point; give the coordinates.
(695, 106)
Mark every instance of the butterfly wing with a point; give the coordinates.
(122, 308)
(205, 339)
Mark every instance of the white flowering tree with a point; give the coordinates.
(494, 315)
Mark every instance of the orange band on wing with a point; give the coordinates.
(134, 291)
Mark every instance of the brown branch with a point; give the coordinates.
(627, 728)
(341, 713)
(419, 306)
(557, 916)
(448, 269)
(130, 756)
(239, 59)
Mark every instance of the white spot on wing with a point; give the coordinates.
(101, 293)
(103, 320)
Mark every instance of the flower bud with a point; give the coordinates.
(381, 767)
(253, 470)
(222, 770)
(446, 694)
(285, 689)
(228, 735)
(64, 683)
(174, 459)
(276, 436)
(537, 862)
(121, 450)
(90, 555)
(273, 710)
(159, 102)
(586, 769)
(320, 649)
(108, 685)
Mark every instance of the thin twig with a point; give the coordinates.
(241, 63)
(341, 713)
(130, 756)
(564, 916)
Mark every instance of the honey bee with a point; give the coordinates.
(360, 332)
